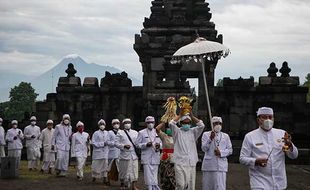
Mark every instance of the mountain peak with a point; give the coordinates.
(71, 56)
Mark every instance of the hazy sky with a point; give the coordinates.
(36, 34)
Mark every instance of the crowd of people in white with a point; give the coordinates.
(173, 147)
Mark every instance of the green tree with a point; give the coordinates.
(307, 84)
(219, 82)
(22, 99)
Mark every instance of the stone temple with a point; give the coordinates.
(171, 25)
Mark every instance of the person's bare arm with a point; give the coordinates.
(194, 119)
(159, 127)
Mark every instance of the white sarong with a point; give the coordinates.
(151, 176)
(99, 168)
(62, 161)
(80, 163)
(185, 177)
(128, 170)
(214, 180)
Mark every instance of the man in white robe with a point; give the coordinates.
(264, 150)
(61, 142)
(113, 150)
(79, 149)
(48, 153)
(128, 159)
(185, 155)
(150, 144)
(2, 140)
(14, 137)
(100, 152)
(217, 147)
(33, 144)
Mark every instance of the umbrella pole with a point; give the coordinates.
(207, 94)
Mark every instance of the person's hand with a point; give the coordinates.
(287, 139)
(212, 135)
(33, 136)
(217, 152)
(127, 147)
(15, 138)
(261, 162)
(149, 144)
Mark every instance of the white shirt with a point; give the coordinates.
(185, 150)
(61, 137)
(28, 132)
(149, 155)
(100, 145)
(113, 150)
(14, 144)
(122, 140)
(258, 144)
(46, 139)
(2, 136)
(211, 162)
(79, 144)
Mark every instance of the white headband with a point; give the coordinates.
(216, 119)
(149, 119)
(79, 124)
(126, 120)
(101, 121)
(185, 117)
(264, 111)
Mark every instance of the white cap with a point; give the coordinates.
(49, 122)
(80, 124)
(14, 122)
(126, 120)
(65, 116)
(264, 111)
(185, 117)
(115, 121)
(101, 121)
(216, 119)
(149, 119)
(33, 118)
(1, 120)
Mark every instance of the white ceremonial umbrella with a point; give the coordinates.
(201, 50)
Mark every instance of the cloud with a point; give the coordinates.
(258, 34)
(36, 34)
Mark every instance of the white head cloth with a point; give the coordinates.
(185, 117)
(115, 121)
(216, 119)
(149, 119)
(50, 121)
(264, 111)
(79, 124)
(101, 122)
(33, 118)
(14, 122)
(66, 116)
(126, 120)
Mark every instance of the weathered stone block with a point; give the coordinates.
(69, 81)
(90, 82)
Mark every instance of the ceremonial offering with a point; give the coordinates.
(171, 108)
(185, 105)
(287, 141)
